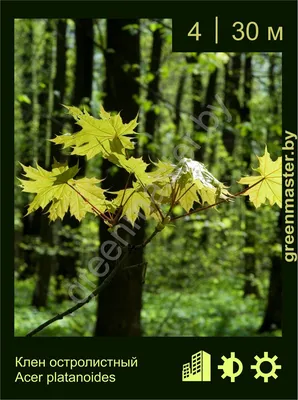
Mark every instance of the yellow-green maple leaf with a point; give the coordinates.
(58, 189)
(103, 136)
(270, 182)
(137, 166)
(132, 200)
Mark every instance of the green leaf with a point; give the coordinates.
(98, 136)
(58, 189)
(135, 166)
(132, 201)
(270, 182)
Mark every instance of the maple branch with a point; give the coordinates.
(148, 240)
(119, 265)
(95, 292)
(217, 203)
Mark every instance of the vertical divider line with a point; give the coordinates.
(216, 30)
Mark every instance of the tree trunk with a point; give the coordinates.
(58, 119)
(272, 91)
(231, 101)
(81, 96)
(59, 85)
(209, 99)
(44, 268)
(119, 307)
(29, 227)
(201, 116)
(273, 314)
(153, 88)
(250, 286)
(197, 105)
(178, 101)
(45, 261)
(210, 94)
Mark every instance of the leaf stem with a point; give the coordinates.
(91, 205)
(115, 219)
(183, 194)
(152, 199)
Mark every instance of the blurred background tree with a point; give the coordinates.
(214, 274)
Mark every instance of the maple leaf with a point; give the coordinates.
(194, 183)
(270, 182)
(163, 170)
(132, 200)
(103, 136)
(136, 166)
(62, 192)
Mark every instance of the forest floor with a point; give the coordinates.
(165, 313)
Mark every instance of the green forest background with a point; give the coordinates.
(216, 273)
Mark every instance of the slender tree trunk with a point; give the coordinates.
(44, 268)
(81, 96)
(197, 105)
(59, 87)
(209, 99)
(272, 88)
(29, 227)
(153, 88)
(58, 119)
(178, 101)
(27, 80)
(210, 94)
(201, 115)
(45, 260)
(250, 286)
(231, 101)
(119, 307)
(273, 314)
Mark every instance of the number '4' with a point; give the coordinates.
(196, 32)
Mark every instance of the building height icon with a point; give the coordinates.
(199, 369)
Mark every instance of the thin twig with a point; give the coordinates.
(148, 240)
(95, 292)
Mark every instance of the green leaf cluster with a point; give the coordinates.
(153, 191)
